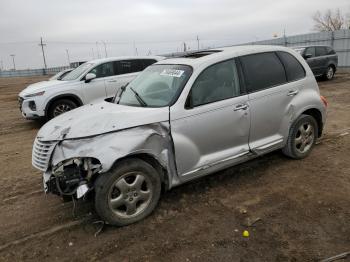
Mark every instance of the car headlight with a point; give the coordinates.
(35, 94)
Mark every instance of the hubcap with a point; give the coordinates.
(61, 108)
(130, 195)
(330, 73)
(304, 138)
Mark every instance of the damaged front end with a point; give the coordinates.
(72, 177)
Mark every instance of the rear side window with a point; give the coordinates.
(294, 69)
(321, 50)
(132, 66)
(330, 51)
(262, 71)
(147, 62)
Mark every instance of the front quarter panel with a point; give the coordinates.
(151, 139)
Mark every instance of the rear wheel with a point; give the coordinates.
(302, 137)
(127, 194)
(61, 106)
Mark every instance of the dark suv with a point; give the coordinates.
(322, 60)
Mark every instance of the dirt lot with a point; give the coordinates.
(303, 206)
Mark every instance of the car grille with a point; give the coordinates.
(41, 154)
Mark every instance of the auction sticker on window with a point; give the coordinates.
(172, 72)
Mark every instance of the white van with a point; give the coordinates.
(91, 82)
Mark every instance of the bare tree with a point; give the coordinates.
(331, 20)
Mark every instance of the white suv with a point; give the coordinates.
(91, 82)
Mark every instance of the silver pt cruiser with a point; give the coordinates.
(181, 119)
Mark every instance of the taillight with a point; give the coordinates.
(324, 100)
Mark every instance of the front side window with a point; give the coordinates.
(156, 86)
(294, 69)
(310, 51)
(215, 83)
(263, 70)
(103, 70)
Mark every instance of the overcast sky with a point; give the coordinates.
(154, 27)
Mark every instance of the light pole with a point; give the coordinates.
(13, 61)
(104, 43)
(68, 57)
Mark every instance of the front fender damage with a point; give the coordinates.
(153, 139)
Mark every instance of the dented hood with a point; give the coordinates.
(96, 119)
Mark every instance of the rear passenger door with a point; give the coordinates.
(271, 89)
(125, 72)
(322, 59)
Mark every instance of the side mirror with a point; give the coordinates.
(89, 77)
(306, 56)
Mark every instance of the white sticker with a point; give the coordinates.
(172, 72)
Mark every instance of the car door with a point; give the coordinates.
(95, 90)
(270, 96)
(212, 129)
(311, 59)
(322, 59)
(126, 71)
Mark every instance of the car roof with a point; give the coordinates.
(119, 58)
(299, 47)
(222, 53)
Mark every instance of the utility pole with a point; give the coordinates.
(42, 49)
(93, 53)
(197, 42)
(285, 37)
(135, 49)
(68, 57)
(104, 43)
(98, 51)
(13, 61)
(185, 49)
(1, 65)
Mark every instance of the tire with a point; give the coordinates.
(128, 193)
(329, 73)
(301, 139)
(60, 106)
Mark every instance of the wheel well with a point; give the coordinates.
(315, 113)
(154, 163)
(333, 66)
(74, 98)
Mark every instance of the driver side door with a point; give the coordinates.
(95, 90)
(211, 132)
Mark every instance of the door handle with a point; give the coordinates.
(111, 81)
(241, 107)
(293, 92)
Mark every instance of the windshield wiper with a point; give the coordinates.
(138, 97)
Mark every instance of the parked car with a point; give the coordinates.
(91, 82)
(61, 74)
(181, 119)
(322, 60)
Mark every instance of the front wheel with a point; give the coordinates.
(60, 106)
(330, 73)
(127, 194)
(302, 137)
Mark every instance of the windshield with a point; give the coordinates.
(156, 86)
(76, 73)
